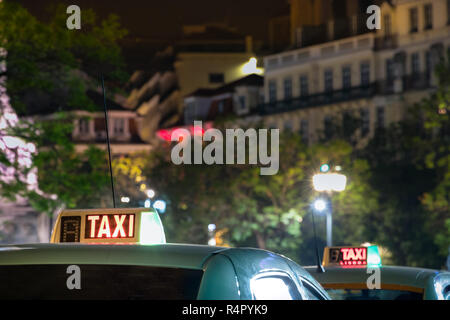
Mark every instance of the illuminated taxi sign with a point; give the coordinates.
(106, 226)
(132, 226)
(351, 256)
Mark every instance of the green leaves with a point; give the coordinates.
(46, 61)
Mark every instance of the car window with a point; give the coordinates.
(375, 294)
(274, 287)
(114, 282)
(446, 292)
(311, 292)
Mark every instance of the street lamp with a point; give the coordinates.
(328, 182)
(211, 232)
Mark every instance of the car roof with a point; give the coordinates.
(189, 256)
(397, 275)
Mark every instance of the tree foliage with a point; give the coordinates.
(48, 73)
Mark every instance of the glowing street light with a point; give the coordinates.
(150, 193)
(251, 67)
(328, 182)
(319, 205)
(160, 205)
(211, 233)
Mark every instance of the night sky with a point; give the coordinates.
(163, 19)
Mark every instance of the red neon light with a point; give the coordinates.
(166, 134)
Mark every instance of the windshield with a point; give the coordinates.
(98, 282)
(375, 294)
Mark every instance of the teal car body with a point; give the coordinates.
(161, 271)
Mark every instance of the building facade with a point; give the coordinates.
(373, 74)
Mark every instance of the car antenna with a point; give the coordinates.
(320, 268)
(108, 143)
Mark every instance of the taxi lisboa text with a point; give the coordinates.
(213, 153)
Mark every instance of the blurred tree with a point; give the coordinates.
(49, 70)
(49, 66)
(411, 162)
(270, 212)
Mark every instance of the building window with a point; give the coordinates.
(387, 25)
(119, 126)
(304, 90)
(83, 126)
(328, 80)
(304, 131)
(415, 63)
(448, 11)
(390, 69)
(216, 78)
(365, 122)
(346, 78)
(428, 15)
(380, 117)
(429, 69)
(272, 91)
(242, 102)
(365, 73)
(288, 126)
(413, 20)
(287, 83)
(328, 127)
(221, 106)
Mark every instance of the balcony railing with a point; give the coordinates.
(417, 81)
(386, 42)
(318, 99)
(333, 30)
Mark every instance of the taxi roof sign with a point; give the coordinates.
(351, 257)
(109, 226)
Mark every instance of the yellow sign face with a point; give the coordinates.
(108, 226)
